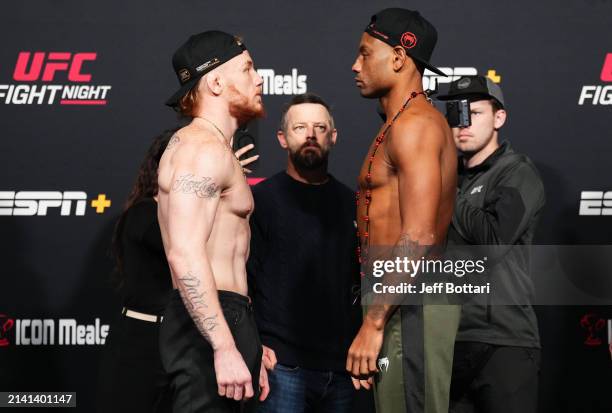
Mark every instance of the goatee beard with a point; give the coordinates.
(307, 159)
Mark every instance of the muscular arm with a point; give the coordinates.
(196, 185)
(414, 148)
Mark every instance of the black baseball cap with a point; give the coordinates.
(474, 88)
(200, 54)
(406, 28)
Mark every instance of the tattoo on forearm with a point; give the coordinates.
(193, 297)
(408, 247)
(190, 289)
(203, 187)
(175, 140)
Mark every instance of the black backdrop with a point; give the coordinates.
(55, 266)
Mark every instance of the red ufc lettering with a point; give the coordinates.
(21, 73)
(606, 71)
(75, 74)
(55, 62)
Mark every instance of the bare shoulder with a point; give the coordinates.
(419, 129)
(197, 155)
(201, 150)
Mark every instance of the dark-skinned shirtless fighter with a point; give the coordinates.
(407, 189)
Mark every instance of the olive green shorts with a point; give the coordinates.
(416, 359)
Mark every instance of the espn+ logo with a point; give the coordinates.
(595, 203)
(44, 68)
(430, 79)
(38, 203)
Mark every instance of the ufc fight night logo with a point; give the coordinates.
(599, 94)
(39, 203)
(595, 203)
(36, 74)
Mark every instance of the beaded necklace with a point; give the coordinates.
(362, 258)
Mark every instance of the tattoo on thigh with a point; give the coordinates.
(203, 187)
(194, 299)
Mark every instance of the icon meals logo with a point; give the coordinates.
(275, 84)
(6, 325)
(594, 327)
(35, 71)
(49, 332)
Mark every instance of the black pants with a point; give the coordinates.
(189, 358)
(494, 379)
(132, 378)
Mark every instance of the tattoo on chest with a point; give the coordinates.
(203, 187)
(194, 298)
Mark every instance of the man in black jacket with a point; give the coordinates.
(499, 199)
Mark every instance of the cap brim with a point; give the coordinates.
(176, 97)
(428, 65)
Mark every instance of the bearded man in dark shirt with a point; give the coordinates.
(302, 268)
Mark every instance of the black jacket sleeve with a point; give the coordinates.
(509, 207)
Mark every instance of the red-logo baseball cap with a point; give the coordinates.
(406, 28)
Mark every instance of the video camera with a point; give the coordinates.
(458, 113)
